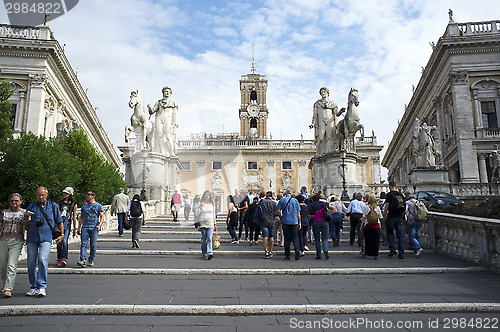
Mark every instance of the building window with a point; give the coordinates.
(216, 165)
(186, 166)
(252, 165)
(286, 165)
(253, 96)
(13, 111)
(489, 113)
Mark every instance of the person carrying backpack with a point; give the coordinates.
(394, 214)
(416, 213)
(135, 213)
(370, 227)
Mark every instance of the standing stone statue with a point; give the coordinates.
(165, 133)
(324, 122)
(424, 144)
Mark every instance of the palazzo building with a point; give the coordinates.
(252, 161)
(48, 99)
(459, 96)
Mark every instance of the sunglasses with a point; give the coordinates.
(14, 200)
(90, 194)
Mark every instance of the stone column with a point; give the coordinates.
(35, 115)
(302, 176)
(233, 176)
(464, 127)
(200, 177)
(483, 173)
(271, 175)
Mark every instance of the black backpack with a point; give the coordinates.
(397, 203)
(135, 209)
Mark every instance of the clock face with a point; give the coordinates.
(253, 110)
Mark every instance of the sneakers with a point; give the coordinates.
(235, 242)
(81, 264)
(391, 253)
(419, 251)
(32, 292)
(41, 292)
(326, 254)
(91, 263)
(7, 294)
(302, 254)
(135, 243)
(210, 257)
(58, 263)
(266, 256)
(297, 255)
(63, 263)
(271, 254)
(306, 248)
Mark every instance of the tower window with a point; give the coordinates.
(489, 113)
(253, 96)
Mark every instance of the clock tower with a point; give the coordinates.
(253, 108)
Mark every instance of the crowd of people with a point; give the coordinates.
(282, 220)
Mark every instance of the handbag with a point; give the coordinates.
(56, 232)
(215, 241)
(126, 224)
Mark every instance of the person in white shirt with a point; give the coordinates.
(206, 213)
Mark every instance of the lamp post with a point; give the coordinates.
(344, 196)
(143, 190)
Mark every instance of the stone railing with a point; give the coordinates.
(13, 31)
(488, 132)
(110, 222)
(376, 189)
(475, 190)
(479, 27)
(190, 143)
(473, 239)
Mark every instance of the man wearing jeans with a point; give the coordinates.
(394, 213)
(91, 218)
(119, 206)
(268, 207)
(289, 210)
(45, 216)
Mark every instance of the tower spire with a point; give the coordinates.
(253, 59)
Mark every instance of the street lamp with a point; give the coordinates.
(144, 154)
(344, 196)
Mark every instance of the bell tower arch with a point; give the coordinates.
(253, 109)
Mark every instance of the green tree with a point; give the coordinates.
(5, 123)
(30, 162)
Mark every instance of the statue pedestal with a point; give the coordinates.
(158, 175)
(327, 173)
(424, 179)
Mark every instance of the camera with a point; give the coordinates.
(39, 222)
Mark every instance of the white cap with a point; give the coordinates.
(69, 191)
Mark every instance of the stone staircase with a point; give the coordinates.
(167, 277)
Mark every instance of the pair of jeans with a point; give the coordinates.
(290, 233)
(355, 220)
(86, 234)
(254, 233)
(62, 247)
(267, 229)
(243, 223)
(10, 250)
(206, 241)
(303, 237)
(38, 251)
(232, 232)
(121, 218)
(320, 231)
(414, 233)
(187, 211)
(395, 224)
(136, 226)
(335, 226)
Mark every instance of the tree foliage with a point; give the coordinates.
(29, 162)
(5, 123)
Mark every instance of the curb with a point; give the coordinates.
(240, 310)
(312, 271)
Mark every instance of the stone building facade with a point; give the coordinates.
(48, 99)
(459, 95)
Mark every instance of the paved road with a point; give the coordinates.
(166, 286)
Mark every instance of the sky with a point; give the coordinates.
(200, 48)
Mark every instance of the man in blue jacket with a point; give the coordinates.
(288, 209)
(45, 216)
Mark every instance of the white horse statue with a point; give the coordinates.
(350, 124)
(141, 125)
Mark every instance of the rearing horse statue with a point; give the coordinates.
(350, 124)
(141, 125)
